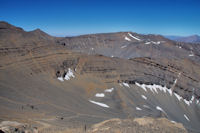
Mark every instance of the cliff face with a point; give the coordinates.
(160, 71)
(74, 81)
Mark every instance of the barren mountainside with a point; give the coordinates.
(65, 83)
(187, 39)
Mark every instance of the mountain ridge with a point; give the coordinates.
(64, 83)
(186, 39)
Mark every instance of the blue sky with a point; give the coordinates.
(74, 17)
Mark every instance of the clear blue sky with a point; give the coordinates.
(73, 17)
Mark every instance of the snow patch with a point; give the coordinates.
(137, 108)
(187, 102)
(126, 84)
(123, 46)
(69, 74)
(133, 37)
(99, 95)
(169, 91)
(100, 104)
(173, 121)
(192, 99)
(175, 81)
(126, 38)
(142, 86)
(147, 42)
(186, 117)
(177, 96)
(156, 42)
(145, 106)
(191, 53)
(197, 101)
(159, 108)
(154, 88)
(144, 97)
(109, 90)
(61, 79)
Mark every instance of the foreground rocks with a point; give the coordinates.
(16, 127)
(138, 125)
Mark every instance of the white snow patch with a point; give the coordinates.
(137, 108)
(147, 42)
(177, 96)
(142, 86)
(144, 97)
(154, 88)
(192, 99)
(126, 38)
(92, 48)
(175, 81)
(99, 95)
(100, 104)
(191, 55)
(123, 46)
(173, 121)
(159, 108)
(179, 74)
(133, 37)
(61, 79)
(197, 101)
(187, 102)
(169, 91)
(180, 47)
(186, 117)
(145, 106)
(126, 84)
(109, 90)
(156, 42)
(69, 74)
(112, 56)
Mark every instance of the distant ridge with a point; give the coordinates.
(187, 39)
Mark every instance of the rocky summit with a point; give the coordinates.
(110, 82)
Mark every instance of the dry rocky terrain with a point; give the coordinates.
(57, 84)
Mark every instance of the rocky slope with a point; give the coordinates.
(138, 125)
(51, 82)
(130, 45)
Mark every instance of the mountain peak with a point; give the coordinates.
(37, 30)
(6, 25)
(195, 35)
